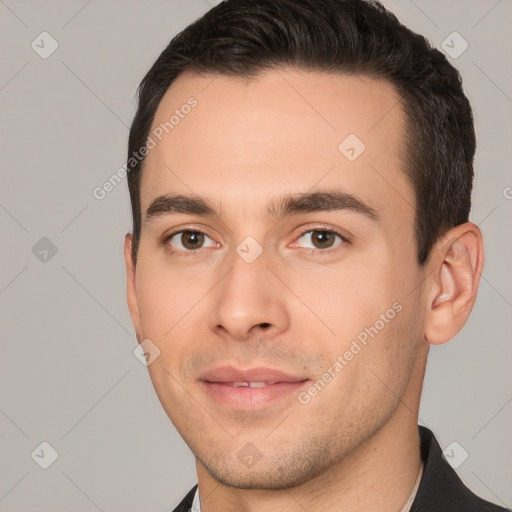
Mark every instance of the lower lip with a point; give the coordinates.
(247, 398)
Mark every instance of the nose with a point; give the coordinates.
(249, 302)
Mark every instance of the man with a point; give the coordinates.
(300, 178)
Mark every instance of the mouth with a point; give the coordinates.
(252, 389)
(249, 384)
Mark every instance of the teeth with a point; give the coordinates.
(248, 384)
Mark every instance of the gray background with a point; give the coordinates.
(67, 369)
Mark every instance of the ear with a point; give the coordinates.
(457, 261)
(131, 290)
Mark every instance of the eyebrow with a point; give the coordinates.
(286, 205)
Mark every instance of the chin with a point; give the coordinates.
(273, 474)
(262, 480)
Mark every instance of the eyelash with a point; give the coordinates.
(324, 229)
(197, 252)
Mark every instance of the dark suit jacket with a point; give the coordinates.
(440, 489)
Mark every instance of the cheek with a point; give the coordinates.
(165, 295)
(391, 353)
(364, 314)
(342, 300)
(155, 299)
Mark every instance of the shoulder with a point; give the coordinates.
(440, 487)
(187, 501)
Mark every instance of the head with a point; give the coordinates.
(306, 210)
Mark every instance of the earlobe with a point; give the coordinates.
(457, 263)
(131, 290)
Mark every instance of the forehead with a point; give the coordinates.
(287, 131)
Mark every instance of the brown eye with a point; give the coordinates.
(189, 240)
(323, 239)
(192, 239)
(320, 239)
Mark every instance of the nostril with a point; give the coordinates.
(264, 325)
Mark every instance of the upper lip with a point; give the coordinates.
(260, 374)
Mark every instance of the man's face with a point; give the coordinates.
(328, 297)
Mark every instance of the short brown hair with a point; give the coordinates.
(245, 37)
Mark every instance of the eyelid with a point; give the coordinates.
(345, 238)
(178, 230)
(323, 227)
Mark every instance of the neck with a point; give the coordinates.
(379, 475)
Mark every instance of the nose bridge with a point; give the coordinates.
(249, 297)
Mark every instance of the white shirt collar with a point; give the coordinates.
(196, 504)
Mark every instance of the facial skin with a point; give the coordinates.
(245, 144)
